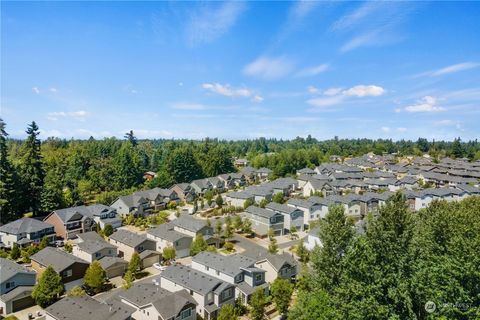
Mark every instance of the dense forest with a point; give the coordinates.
(407, 265)
(39, 176)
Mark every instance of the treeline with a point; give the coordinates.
(406, 265)
(39, 176)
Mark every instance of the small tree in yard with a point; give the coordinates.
(257, 304)
(278, 197)
(128, 279)
(293, 232)
(198, 245)
(76, 292)
(247, 226)
(68, 247)
(44, 243)
(248, 203)
(273, 247)
(302, 253)
(263, 203)
(48, 288)
(95, 277)
(169, 254)
(228, 246)
(281, 291)
(228, 232)
(108, 230)
(135, 264)
(227, 312)
(219, 200)
(15, 252)
(218, 228)
(237, 222)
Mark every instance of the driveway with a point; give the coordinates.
(23, 314)
(250, 247)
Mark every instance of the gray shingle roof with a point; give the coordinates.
(172, 304)
(165, 231)
(227, 264)
(106, 262)
(283, 208)
(192, 279)
(239, 195)
(189, 223)
(92, 246)
(256, 211)
(128, 238)
(81, 308)
(24, 225)
(9, 268)
(58, 259)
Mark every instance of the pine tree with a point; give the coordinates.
(302, 252)
(135, 264)
(52, 194)
(128, 279)
(15, 252)
(32, 170)
(48, 288)
(131, 138)
(76, 292)
(95, 277)
(8, 182)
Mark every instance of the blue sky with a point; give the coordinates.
(242, 69)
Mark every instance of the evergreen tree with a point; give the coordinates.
(48, 288)
(15, 252)
(281, 291)
(237, 222)
(131, 138)
(198, 245)
(183, 166)
(128, 279)
(32, 170)
(8, 182)
(108, 230)
(95, 277)
(272, 246)
(219, 200)
(247, 226)
(302, 252)
(135, 264)
(278, 197)
(127, 167)
(218, 228)
(169, 254)
(44, 243)
(257, 304)
(52, 196)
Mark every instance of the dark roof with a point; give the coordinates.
(106, 262)
(90, 235)
(165, 231)
(227, 264)
(257, 211)
(129, 238)
(172, 304)
(93, 246)
(148, 253)
(81, 308)
(9, 268)
(57, 258)
(239, 195)
(24, 225)
(283, 208)
(189, 223)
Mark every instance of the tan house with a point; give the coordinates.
(129, 242)
(93, 247)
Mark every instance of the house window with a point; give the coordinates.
(186, 313)
(209, 296)
(227, 294)
(191, 292)
(9, 285)
(258, 277)
(218, 273)
(97, 254)
(67, 273)
(140, 249)
(207, 268)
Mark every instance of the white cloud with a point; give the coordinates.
(80, 115)
(302, 8)
(257, 99)
(362, 40)
(36, 90)
(226, 90)
(208, 24)
(313, 71)
(452, 69)
(402, 129)
(364, 91)
(312, 90)
(386, 129)
(332, 91)
(53, 90)
(269, 68)
(325, 102)
(426, 104)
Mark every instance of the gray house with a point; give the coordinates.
(293, 217)
(25, 231)
(263, 220)
(132, 204)
(200, 186)
(236, 269)
(16, 285)
(209, 292)
(166, 236)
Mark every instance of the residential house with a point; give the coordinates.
(132, 204)
(193, 227)
(209, 292)
(263, 173)
(263, 220)
(306, 171)
(227, 181)
(240, 163)
(113, 266)
(25, 231)
(283, 185)
(277, 266)
(311, 209)
(238, 199)
(249, 173)
(70, 222)
(149, 301)
(201, 186)
(158, 198)
(69, 267)
(85, 307)
(93, 247)
(16, 286)
(129, 242)
(260, 193)
(165, 236)
(238, 179)
(184, 192)
(236, 269)
(293, 217)
(103, 215)
(217, 184)
(314, 186)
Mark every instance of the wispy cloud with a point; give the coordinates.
(188, 106)
(313, 71)
(426, 104)
(228, 91)
(450, 69)
(207, 24)
(364, 91)
(334, 96)
(325, 101)
(269, 68)
(80, 115)
(36, 90)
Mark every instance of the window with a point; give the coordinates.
(218, 273)
(9, 285)
(185, 313)
(209, 296)
(227, 294)
(191, 292)
(207, 268)
(97, 254)
(67, 273)
(258, 277)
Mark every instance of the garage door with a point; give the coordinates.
(22, 303)
(148, 262)
(115, 271)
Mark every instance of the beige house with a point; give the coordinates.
(93, 247)
(129, 242)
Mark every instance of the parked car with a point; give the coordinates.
(59, 243)
(159, 266)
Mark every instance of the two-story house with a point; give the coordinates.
(70, 222)
(193, 227)
(184, 192)
(151, 302)
(69, 267)
(129, 242)
(16, 286)
(132, 204)
(264, 220)
(236, 269)
(293, 217)
(103, 215)
(277, 266)
(93, 247)
(166, 236)
(25, 231)
(209, 292)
